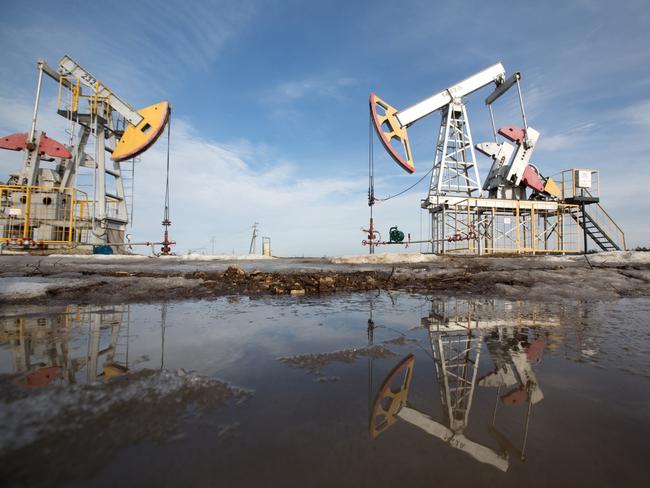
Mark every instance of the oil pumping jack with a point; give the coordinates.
(117, 128)
(455, 175)
(456, 352)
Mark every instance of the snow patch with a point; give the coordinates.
(218, 257)
(385, 258)
(37, 413)
(14, 288)
(99, 257)
(617, 257)
(181, 258)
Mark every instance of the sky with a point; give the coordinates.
(270, 103)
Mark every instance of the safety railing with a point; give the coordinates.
(606, 224)
(525, 228)
(578, 182)
(33, 216)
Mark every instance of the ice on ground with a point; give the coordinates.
(617, 257)
(385, 258)
(99, 257)
(218, 257)
(139, 402)
(25, 287)
(314, 363)
(183, 257)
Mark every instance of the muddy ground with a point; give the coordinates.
(93, 279)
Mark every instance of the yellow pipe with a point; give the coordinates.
(28, 201)
(76, 91)
(71, 216)
(58, 97)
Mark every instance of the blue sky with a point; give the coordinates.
(270, 119)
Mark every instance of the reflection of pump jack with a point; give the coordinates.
(514, 371)
(43, 355)
(456, 348)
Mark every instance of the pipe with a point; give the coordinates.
(38, 97)
(494, 127)
(521, 104)
(138, 244)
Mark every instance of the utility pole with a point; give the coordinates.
(212, 241)
(252, 249)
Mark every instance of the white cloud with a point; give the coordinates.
(329, 87)
(637, 113)
(570, 139)
(145, 55)
(215, 191)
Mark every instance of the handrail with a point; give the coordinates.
(608, 216)
(607, 224)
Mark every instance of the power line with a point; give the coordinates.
(407, 189)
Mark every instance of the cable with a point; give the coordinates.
(371, 167)
(407, 189)
(166, 212)
(165, 250)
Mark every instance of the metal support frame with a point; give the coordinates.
(479, 226)
(456, 357)
(455, 171)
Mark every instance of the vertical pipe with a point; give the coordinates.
(494, 229)
(494, 127)
(517, 225)
(28, 204)
(533, 228)
(442, 234)
(521, 104)
(70, 222)
(93, 346)
(560, 228)
(32, 130)
(443, 164)
(584, 228)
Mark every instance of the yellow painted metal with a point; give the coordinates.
(71, 217)
(137, 139)
(113, 370)
(28, 206)
(393, 131)
(26, 209)
(391, 398)
(551, 187)
(516, 227)
(75, 89)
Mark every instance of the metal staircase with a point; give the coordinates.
(600, 227)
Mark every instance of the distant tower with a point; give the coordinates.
(253, 247)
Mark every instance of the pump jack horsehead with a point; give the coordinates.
(455, 171)
(117, 127)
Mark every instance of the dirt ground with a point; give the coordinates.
(120, 279)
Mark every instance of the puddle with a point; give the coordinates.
(348, 390)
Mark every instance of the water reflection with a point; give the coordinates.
(75, 388)
(79, 344)
(487, 384)
(460, 331)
